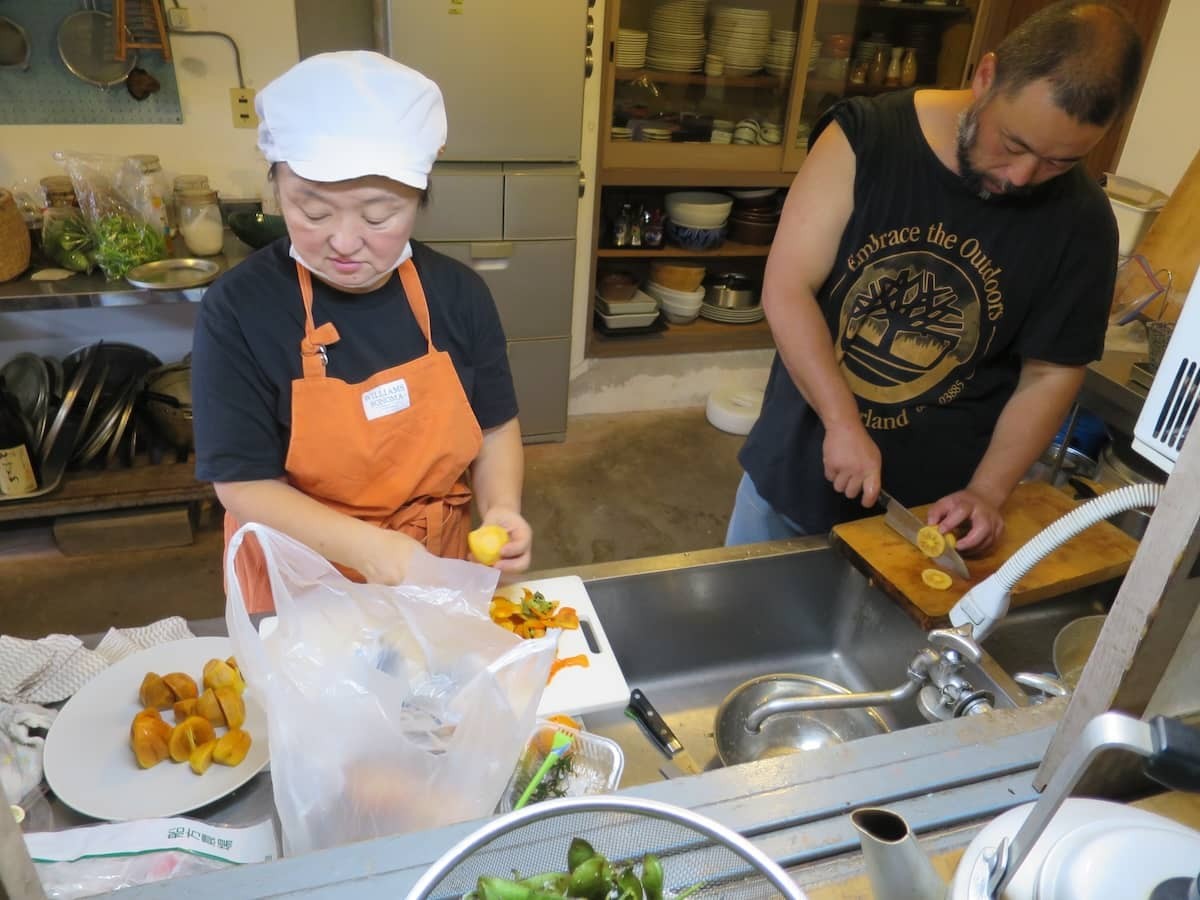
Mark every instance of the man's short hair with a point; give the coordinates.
(1089, 50)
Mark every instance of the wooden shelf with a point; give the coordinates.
(659, 177)
(729, 248)
(747, 81)
(902, 6)
(92, 490)
(830, 86)
(700, 336)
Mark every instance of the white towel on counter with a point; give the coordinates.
(21, 747)
(53, 668)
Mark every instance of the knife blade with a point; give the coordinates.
(902, 521)
(643, 712)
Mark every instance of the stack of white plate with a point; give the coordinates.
(781, 52)
(631, 48)
(680, 307)
(621, 133)
(814, 51)
(742, 316)
(677, 36)
(656, 135)
(740, 36)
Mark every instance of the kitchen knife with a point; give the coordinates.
(901, 520)
(643, 712)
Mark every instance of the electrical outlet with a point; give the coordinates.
(178, 18)
(242, 101)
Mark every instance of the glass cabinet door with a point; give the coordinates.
(698, 84)
(857, 47)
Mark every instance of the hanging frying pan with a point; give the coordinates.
(14, 45)
(86, 44)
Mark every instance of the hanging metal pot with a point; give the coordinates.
(86, 44)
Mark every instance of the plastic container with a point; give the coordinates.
(596, 764)
(1135, 206)
(151, 198)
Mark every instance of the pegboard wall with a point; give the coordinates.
(48, 94)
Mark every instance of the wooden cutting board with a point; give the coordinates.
(1098, 554)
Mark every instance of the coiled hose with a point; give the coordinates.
(987, 602)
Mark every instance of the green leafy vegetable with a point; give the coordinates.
(67, 242)
(123, 243)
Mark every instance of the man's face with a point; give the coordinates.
(1009, 144)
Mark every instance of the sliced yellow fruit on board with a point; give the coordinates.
(486, 542)
(936, 579)
(201, 758)
(931, 542)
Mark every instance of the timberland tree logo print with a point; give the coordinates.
(912, 321)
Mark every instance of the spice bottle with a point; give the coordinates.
(200, 222)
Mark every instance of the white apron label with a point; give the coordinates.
(386, 399)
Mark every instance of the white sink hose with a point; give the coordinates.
(986, 603)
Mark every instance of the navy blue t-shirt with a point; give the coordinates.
(934, 300)
(246, 351)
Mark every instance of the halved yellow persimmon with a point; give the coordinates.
(486, 542)
(936, 579)
(931, 541)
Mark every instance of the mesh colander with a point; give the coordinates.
(533, 840)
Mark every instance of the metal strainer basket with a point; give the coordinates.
(692, 849)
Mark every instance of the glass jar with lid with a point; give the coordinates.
(59, 191)
(183, 183)
(200, 222)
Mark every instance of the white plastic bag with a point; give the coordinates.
(389, 709)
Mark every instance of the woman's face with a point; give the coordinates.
(350, 232)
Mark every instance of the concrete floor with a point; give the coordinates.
(620, 487)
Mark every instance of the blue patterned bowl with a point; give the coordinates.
(696, 238)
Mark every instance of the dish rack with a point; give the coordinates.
(692, 849)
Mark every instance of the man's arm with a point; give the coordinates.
(816, 212)
(1028, 422)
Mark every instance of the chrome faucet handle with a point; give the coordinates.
(1052, 687)
(958, 639)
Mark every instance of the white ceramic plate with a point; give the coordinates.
(88, 760)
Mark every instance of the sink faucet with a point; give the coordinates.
(935, 673)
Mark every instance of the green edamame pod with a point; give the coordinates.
(629, 886)
(578, 853)
(592, 878)
(652, 877)
(687, 892)
(552, 882)
(492, 888)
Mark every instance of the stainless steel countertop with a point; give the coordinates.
(93, 290)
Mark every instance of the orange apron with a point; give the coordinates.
(392, 450)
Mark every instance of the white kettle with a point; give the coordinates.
(1059, 848)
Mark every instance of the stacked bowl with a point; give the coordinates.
(677, 288)
(781, 52)
(755, 216)
(697, 219)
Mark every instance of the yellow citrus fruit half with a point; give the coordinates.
(936, 579)
(486, 542)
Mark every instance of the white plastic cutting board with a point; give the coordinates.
(576, 690)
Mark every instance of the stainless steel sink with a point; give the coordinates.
(687, 636)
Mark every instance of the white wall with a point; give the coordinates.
(206, 142)
(1165, 133)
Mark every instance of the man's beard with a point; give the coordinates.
(968, 134)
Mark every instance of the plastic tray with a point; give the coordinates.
(596, 764)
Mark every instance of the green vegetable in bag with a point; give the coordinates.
(122, 243)
(67, 241)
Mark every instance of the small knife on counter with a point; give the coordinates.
(643, 712)
(901, 520)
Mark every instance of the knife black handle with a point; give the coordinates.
(643, 711)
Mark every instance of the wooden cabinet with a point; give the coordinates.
(710, 95)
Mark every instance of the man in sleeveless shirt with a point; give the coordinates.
(941, 276)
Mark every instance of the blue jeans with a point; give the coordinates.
(753, 520)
